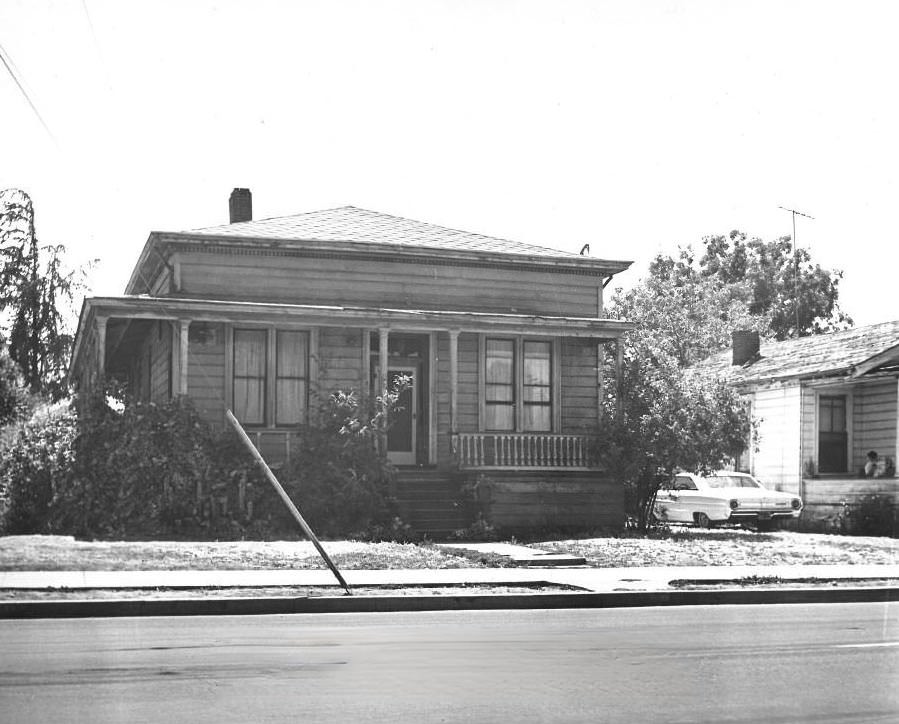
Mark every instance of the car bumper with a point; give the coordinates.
(753, 515)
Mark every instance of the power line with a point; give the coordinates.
(794, 212)
(9, 64)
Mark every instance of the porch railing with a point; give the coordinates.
(531, 450)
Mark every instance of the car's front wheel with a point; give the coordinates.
(702, 520)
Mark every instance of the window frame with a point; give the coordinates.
(847, 424)
(270, 415)
(518, 345)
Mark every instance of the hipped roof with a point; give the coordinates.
(354, 231)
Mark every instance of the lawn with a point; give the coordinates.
(678, 547)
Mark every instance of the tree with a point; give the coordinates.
(668, 418)
(763, 275)
(35, 289)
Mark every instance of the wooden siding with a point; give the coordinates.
(468, 405)
(206, 370)
(809, 427)
(823, 497)
(371, 283)
(551, 500)
(580, 395)
(150, 363)
(776, 462)
(340, 359)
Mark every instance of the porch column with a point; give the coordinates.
(183, 359)
(600, 379)
(100, 323)
(365, 382)
(619, 381)
(433, 361)
(896, 458)
(454, 379)
(383, 357)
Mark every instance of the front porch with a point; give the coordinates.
(489, 391)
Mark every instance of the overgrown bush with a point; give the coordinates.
(36, 460)
(143, 470)
(339, 474)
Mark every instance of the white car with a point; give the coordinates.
(723, 497)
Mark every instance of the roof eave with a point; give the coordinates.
(606, 267)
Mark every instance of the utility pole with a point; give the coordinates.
(796, 262)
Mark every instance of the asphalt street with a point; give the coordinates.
(775, 663)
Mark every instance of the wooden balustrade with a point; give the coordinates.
(532, 450)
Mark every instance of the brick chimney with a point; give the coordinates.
(746, 345)
(240, 205)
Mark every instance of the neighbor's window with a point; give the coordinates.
(500, 384)
(250, 363)
(833, 436)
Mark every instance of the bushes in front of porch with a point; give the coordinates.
(100, 470)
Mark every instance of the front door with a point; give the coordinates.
(401, 438)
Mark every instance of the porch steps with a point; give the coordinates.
(429, 501)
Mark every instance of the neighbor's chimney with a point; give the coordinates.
(241, 205)
(746, 345)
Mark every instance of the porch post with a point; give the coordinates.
(454, 379)
(619, 381)
(183, 328)
(365, 382)
(896, 458)
(600, 378)
(100, 323)
(383, 357)
(432, 398)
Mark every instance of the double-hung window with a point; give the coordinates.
(833, 437)
(250, 364)
(518, 385)
(270, 376)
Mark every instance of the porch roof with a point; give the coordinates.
(420, 320)
(850, 354)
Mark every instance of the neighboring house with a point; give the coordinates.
(503, 342)
(821, 403)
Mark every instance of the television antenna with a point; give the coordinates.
(794, 212)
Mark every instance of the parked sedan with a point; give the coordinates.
(723, 497)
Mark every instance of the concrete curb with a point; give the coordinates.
(110, 608)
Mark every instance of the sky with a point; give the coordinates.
(632, 126)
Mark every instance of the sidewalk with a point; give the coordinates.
(595, 580)
(88, 593)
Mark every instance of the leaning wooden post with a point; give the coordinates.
(286, 498)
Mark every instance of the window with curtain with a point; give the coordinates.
(500, 384)
(537, 386)
(250, 362)
(290, 377)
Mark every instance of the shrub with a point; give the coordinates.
(159, 470)
(874, 515)
(32, 465)
(339, 476)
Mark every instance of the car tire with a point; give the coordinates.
(702, 520)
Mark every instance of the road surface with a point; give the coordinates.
(791, 663)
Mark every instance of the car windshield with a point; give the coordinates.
(731, 481)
